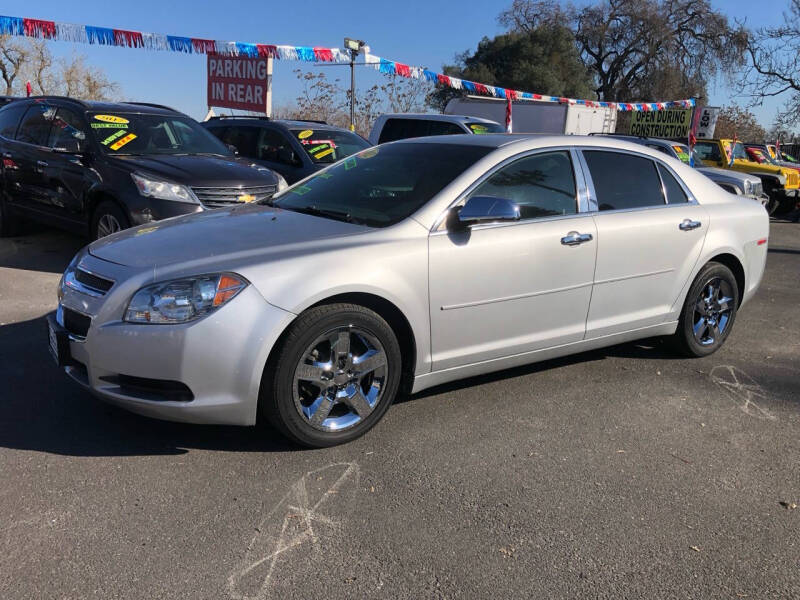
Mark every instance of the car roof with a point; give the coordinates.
(287, 123)
(526, 141)
(103, 106)
(436, 117)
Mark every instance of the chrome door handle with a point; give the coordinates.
(688, 225)
(573, 238)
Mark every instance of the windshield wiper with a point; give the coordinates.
(339, 215)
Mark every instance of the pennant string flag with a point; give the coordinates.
(87, 34)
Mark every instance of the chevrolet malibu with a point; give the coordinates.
(403, 267)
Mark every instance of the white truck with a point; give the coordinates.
(529, 116)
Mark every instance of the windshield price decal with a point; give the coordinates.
(350, 163)
(323, 153)
(305, 133)
(111, 119)
(113, 136)
(109, 126)
(120, 143)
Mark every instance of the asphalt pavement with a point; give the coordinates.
(620, 473)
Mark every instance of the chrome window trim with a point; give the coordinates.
(439, 225)
(691, 200)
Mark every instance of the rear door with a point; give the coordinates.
(66, 175)
(31, 156)
(650, 232)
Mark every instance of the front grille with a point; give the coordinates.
(76, 323)
(98, 284)
(793, 179)
(151, 389)
(220, 197)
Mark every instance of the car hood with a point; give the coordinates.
(199, 170)
(727, 174)
(242, 233)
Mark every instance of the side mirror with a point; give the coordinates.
(487, 209)
(233, 149)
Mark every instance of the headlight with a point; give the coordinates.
(183, 300)
(748, 188)
(165, 190)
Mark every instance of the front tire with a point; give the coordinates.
(333, 377)
(108, 218)
(709, 311)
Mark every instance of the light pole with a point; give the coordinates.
(354, 46)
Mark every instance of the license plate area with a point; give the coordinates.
(58, 342)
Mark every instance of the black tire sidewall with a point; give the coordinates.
(279, 405)
(110, 208)
(690, 345)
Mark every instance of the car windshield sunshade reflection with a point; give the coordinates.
(383, 185)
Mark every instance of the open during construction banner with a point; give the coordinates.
(662, 123)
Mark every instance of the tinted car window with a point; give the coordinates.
(708, 151)
(274, 146)
(68, 131)
(623, 180)
(9, 119)
(443, 128)
(381, 186)
(674, 191)
(541, 185)
(481, 128)
(35, 126)
(244, 138)
(144, 133)
(401, 129)
(329, 145)
(659, 148)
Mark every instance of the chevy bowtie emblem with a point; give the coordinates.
(246, 198)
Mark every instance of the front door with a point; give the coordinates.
(649, 238)
(507, 288)
(31, 156)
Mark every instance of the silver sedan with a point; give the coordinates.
(402, 267)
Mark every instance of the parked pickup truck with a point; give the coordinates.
(781, 184)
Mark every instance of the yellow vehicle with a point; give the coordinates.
(782, 184)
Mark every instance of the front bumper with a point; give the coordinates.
(220, 358)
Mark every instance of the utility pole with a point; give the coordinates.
(354, 46)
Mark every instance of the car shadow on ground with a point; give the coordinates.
(42, 409)
(40, 249)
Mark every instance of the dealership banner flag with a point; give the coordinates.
(105, 36)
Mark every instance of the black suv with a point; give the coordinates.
(295, 149)
(98, 168)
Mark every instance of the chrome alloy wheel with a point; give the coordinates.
(106, 225)
(712, 311)
(340, 378)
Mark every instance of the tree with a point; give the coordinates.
(541, 59)
(773, 67)
(630, 45)
(31, 60)
(736, 121)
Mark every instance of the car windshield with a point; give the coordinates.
(739, 151)
(682, 152)
(329, 145)
(383, 185)
(480, 128)
(131, 133)
(696, 158)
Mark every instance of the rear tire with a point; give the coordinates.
(709, 311)
(108, 218)
(333, 377)
(9, 223)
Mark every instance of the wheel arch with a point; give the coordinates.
(735, 265)
(388, 311)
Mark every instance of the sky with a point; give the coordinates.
(422, 33)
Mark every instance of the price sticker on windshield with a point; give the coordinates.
(111, 119)
(120, 143)
(305, 133)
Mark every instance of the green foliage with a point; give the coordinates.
(543, 60)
